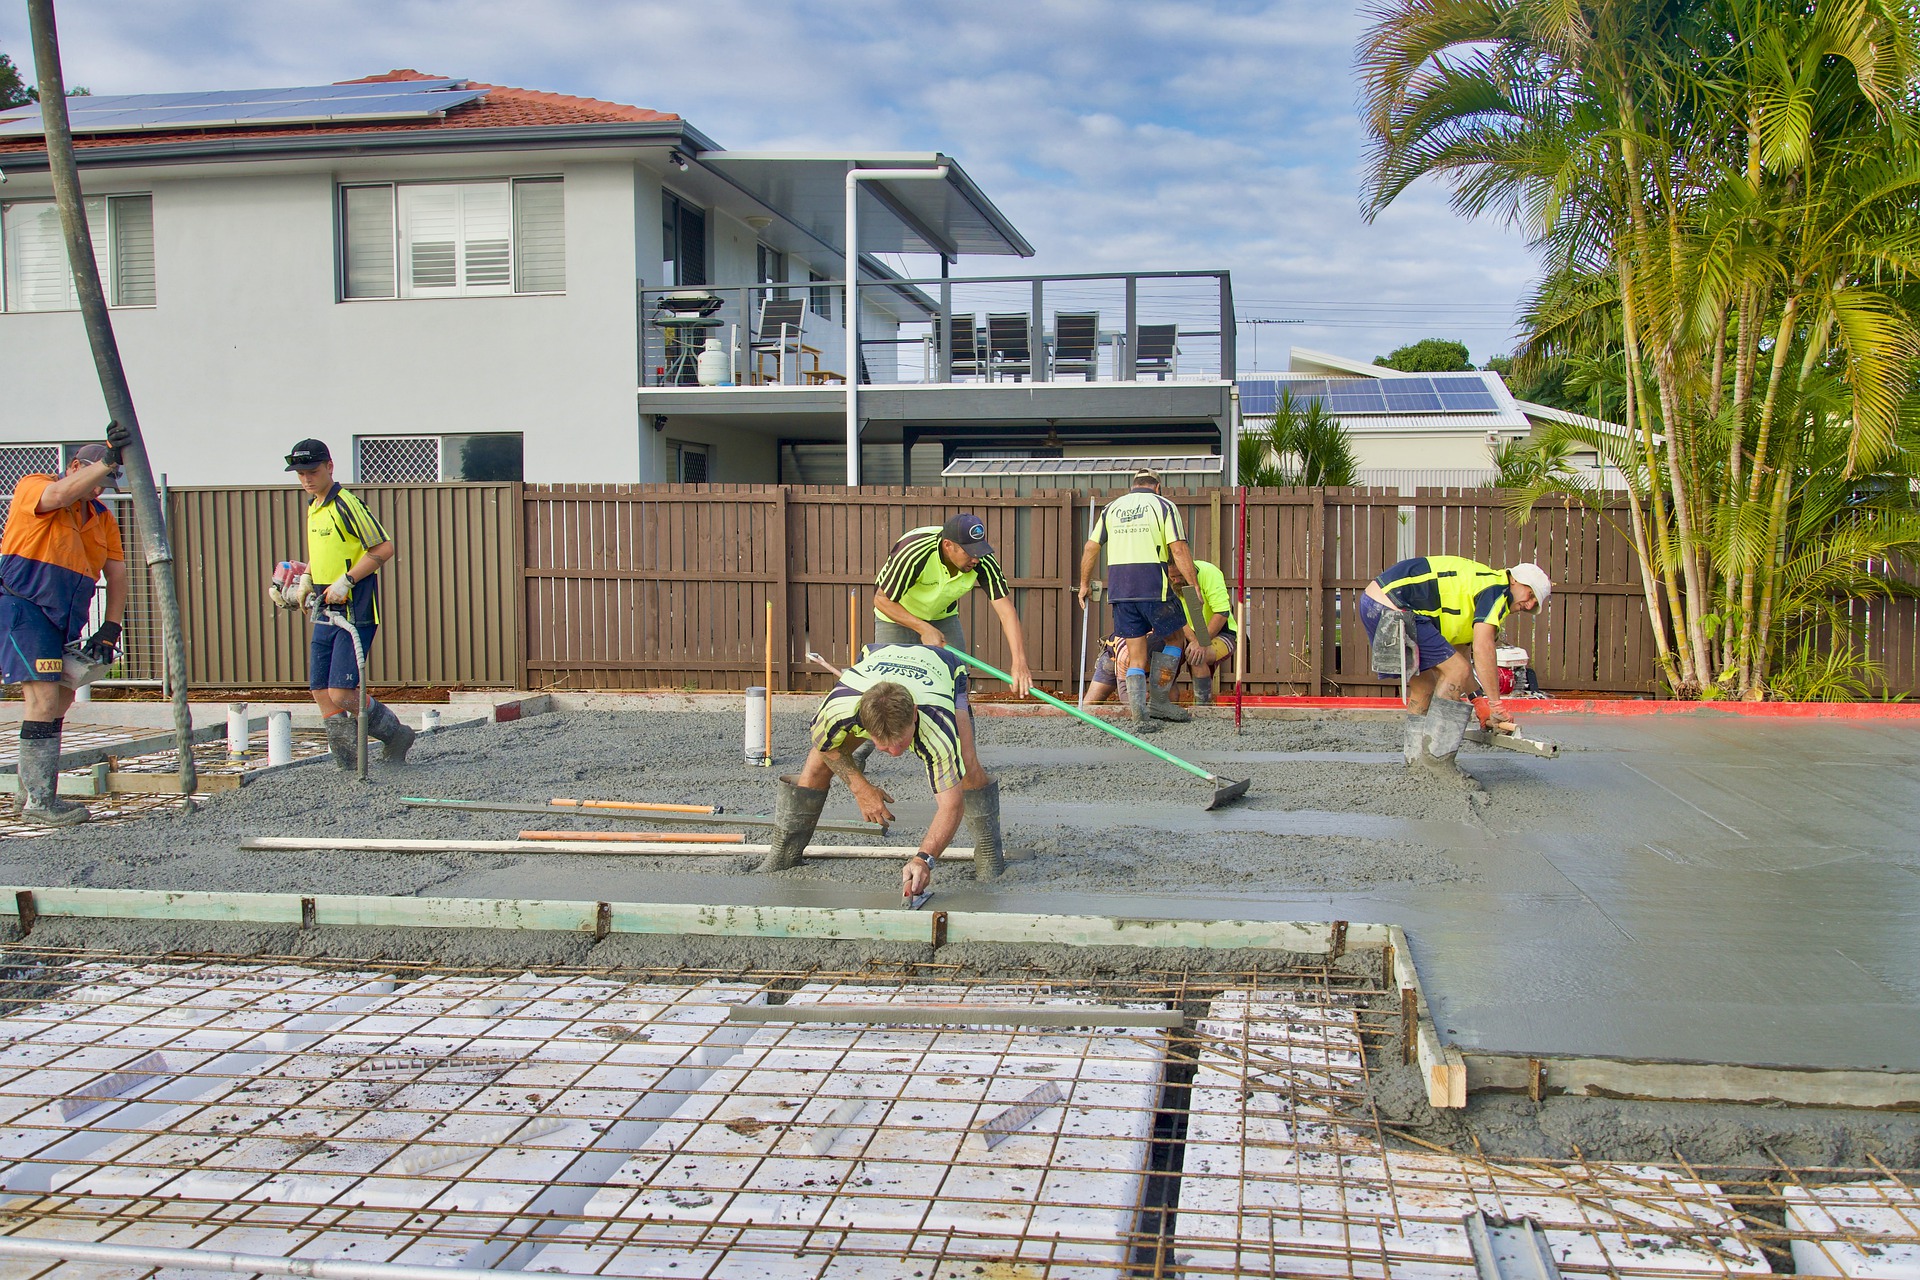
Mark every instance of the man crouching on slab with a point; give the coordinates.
(901, 698)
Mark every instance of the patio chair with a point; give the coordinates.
(1076, 343)
(1159, 351)
(966, 348)
(1009, 344)
(777, 334)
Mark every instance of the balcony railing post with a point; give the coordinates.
(1037, 335)
(1229, 331)
(1129, 371)
(945, 371)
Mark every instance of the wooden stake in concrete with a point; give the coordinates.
(657, 837)
(644, 805)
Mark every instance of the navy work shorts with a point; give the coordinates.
(31, 647)
(1434, 647)
(330, 656)
(1135, 618)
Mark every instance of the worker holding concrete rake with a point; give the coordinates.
(346, 548)
(1420, 614)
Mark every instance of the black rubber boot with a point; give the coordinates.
(40, 800)
(1137, 705)
(1161, 669)
(343, 739)
(796, 811)
(394, 736)
(1203, 691)
(983, 819)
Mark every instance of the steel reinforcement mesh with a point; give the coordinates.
(724, 1124)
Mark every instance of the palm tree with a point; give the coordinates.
(1303, 445)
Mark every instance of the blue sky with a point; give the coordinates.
(1117, 134)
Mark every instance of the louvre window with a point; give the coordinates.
(452, 240)
(33, 253)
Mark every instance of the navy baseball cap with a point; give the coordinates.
(967, 531)
(308, 453)
(98, 453)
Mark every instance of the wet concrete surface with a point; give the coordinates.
(1704, 887)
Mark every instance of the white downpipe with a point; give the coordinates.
(854, 177)
(144, 1257)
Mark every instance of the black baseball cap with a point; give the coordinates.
(967, 531)
(308, 453)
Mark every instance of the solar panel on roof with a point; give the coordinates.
(136, 112)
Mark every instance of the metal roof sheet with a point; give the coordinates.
(1195, 464)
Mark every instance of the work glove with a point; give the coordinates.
(341, 591)
(118, 438)
(103, 646)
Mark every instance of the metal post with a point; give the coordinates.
(113, 376)
(945, 357)
(1037, 336)
(854, 178)
(1129, 371)
(1229, 333)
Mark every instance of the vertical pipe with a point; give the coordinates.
(756, 731)
(1086, 616)
(853, 625)
(237, 731)
(429, 720)
(767, 751)
(853, 327)
(112, 374)
(279, 738)
(1240, 589)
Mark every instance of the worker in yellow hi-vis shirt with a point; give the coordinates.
(346, 548)
(1142, 535)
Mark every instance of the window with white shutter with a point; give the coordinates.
(33, 253)
(451, 240)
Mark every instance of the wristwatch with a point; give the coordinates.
(924, 856)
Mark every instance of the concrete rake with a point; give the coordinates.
(1225, 790)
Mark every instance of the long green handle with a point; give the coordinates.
(1093, 720)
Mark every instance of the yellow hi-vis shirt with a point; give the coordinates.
(1136, 530)
(916, 577)
(1452, 590)
(340, 530)
(1214, 597)
(931, 675)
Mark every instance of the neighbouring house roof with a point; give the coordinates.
(494, 107)
(1182, 465)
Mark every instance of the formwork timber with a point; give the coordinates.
(665, 586)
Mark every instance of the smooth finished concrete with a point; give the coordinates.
(1703, 888)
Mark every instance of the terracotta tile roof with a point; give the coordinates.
(502, 108)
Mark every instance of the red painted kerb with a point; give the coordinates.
(1632, 707)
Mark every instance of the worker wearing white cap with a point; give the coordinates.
(1445, 604)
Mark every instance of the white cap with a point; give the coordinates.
(1533, 577)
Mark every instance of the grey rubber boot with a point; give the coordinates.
(1137, 704)
(795, 813)
(40, 800)
(1447, 723)
(1390, 644)
(983, 819)
(1414, 743)
(1203, 691)
(343, 740)
(395, 736)
(1161, 669)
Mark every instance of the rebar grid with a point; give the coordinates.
(613, 1122)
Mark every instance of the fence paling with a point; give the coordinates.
(650, 586)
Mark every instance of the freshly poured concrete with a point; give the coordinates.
(1699, 887)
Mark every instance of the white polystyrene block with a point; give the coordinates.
(1869, 1230)
(868, 1135)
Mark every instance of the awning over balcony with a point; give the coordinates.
(953, 218)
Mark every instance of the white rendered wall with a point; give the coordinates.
(247, 349)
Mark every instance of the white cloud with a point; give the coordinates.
(1117, 134)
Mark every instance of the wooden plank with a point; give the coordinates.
(609, 845)
(658, 837)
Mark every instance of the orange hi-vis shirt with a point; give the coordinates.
(54, 558)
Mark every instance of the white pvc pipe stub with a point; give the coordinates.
(429, 720)
(237, 736)
(756, 739)
(280, 738)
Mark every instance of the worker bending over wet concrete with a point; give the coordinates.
(916, 596)
(901, 698)
(1142, 534)
(1207, 643)
(1445, 603)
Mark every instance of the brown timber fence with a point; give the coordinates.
(668, 586)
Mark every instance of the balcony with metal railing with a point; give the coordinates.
(988, 331)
